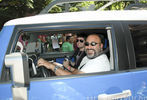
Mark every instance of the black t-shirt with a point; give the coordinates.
(78, 56)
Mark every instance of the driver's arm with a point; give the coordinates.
(61, 71)
(58, 71)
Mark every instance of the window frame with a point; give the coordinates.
(67, 26)
(135, 23)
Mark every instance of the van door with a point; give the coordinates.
(138, 33)
(109, 85)
(5, 91)
(89, 87)
(5, 84)
(93, 86)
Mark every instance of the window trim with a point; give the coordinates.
(130, 45)
(136, 66)
(67, 26)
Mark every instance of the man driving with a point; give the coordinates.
(94, 61)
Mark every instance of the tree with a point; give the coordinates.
(10, 9)
(94, 5)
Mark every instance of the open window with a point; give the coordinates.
(48, 44)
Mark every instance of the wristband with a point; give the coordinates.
(56, 67)
(69, 68)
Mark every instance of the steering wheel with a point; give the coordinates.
(40, 71)
(44, 72)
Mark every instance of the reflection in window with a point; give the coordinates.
(53, 46)
(139, 35)
(44, 42)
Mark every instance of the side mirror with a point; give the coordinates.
(18, 63)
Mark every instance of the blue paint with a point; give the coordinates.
(5, 92)
(140, 85)
(5, 36)
(82, 88)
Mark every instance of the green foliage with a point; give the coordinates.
(56, 9)
(143, 1)
(73, 9)
(92, 5)
(99, 4)
(10, 9)
(85, 4)
(116, 6)
(29, 4)
(119, 5)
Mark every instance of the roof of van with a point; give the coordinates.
(81, 16)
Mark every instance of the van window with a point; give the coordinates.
(39, 42)
(50, 46)
(139, 36)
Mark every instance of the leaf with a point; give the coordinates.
(56, 9)
(30, 5)
(73, 9)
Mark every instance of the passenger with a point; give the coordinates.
(79, 54)
(22, 42)
(75, 42)
(95, 61)
(24, 39)
(67, 46)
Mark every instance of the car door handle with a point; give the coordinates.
(123, 94)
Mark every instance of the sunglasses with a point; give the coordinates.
(92, 43)
(78, 40)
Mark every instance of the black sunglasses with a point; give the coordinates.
(92, 43)
(78, 40)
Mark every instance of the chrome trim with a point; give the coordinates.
(18, 63)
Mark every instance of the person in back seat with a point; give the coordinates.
(79, 54)
(94, 61)
(67, 46)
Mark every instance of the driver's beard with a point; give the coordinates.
(96, 53)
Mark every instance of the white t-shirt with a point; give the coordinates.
(98, 64)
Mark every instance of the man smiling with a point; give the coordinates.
(95, 61)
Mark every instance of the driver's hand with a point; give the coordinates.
(42, 62)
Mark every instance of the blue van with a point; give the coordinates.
(24, 40)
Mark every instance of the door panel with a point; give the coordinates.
(140, 85)
(83, 88)
(5, 92)
(5, 36)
